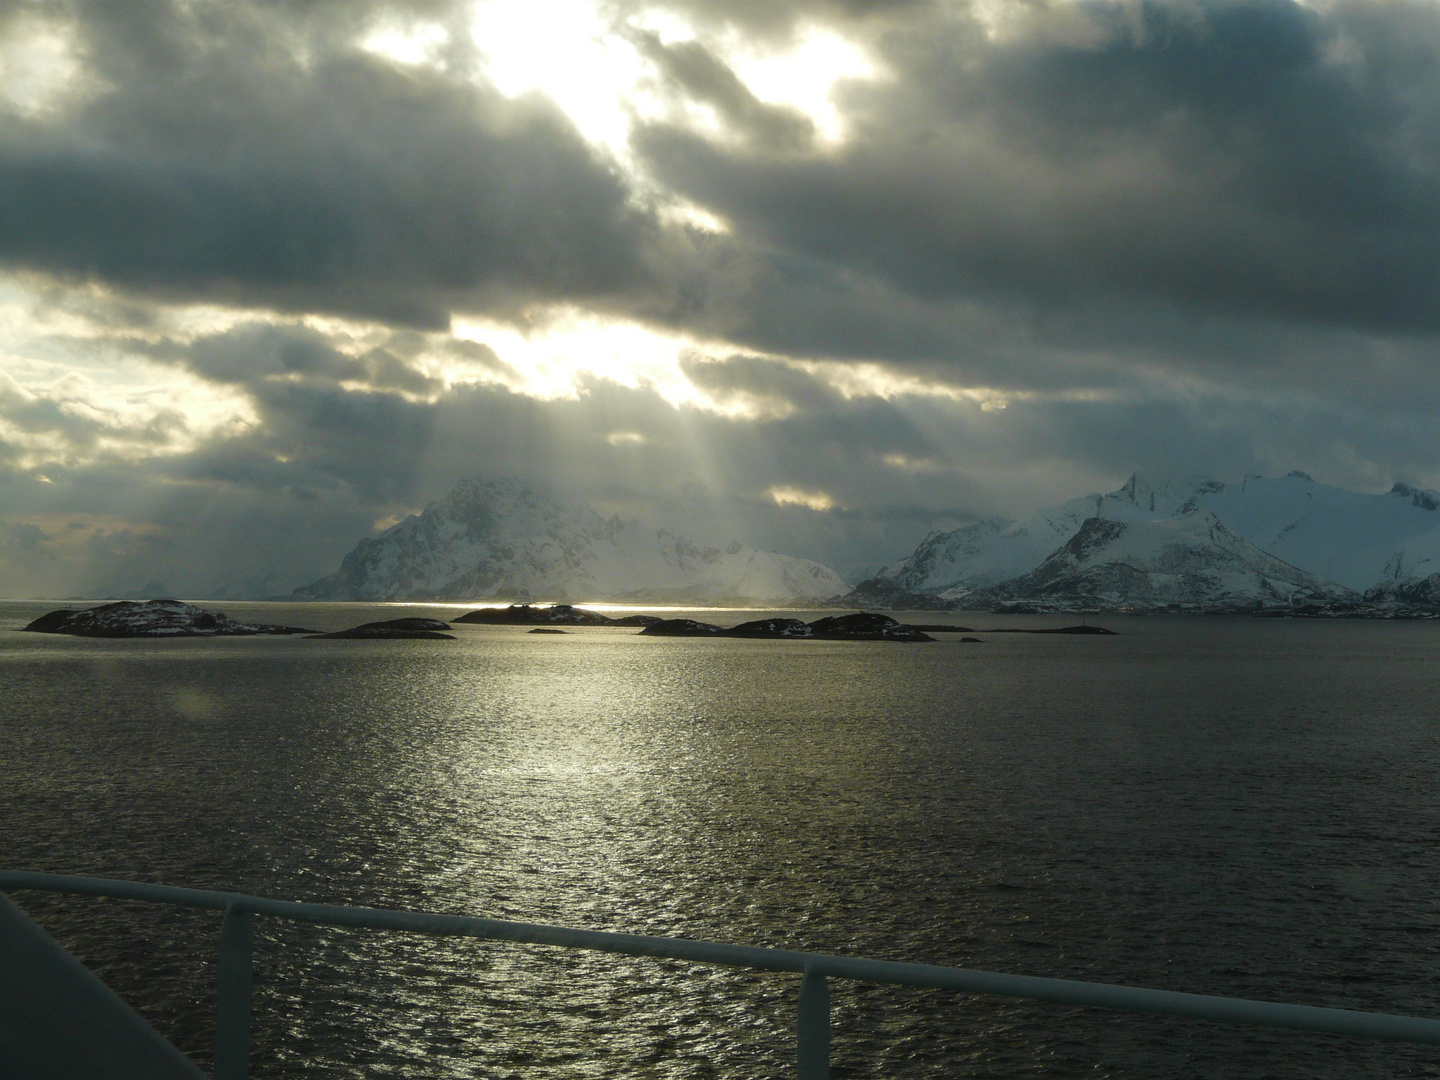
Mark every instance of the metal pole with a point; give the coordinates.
(233, 996)
(812, 1050)
(1412, 1029)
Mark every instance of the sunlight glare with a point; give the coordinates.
(410, 45)
(589, 66)
(567, 348)
(805, 76)
(556, 357)
(565, 49)
(784, 495)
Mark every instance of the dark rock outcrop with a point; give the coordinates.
(1421, 593)
(396, 629)
(533, 615)
(153, 618)
(865, 626)
(770, 628)
(884, 593)
(550, 615)
(862, 626)
(683, 628)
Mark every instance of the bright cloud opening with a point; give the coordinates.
(37, 67)
(567, 348)
(918, 466)
(591, 67)
(805, 76)
(567, 50)
(407, 45)
(874, 380)
(793, 496)
(129, 407)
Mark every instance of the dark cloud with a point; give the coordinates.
(252, 353)
(1259, 161)
(386, 371)
(777, 22)
(228, 153)
(758, 383)
(1198, 236)
(317, 437)
(290, 496)
(706, 78)
(27, 537)
(475, 352)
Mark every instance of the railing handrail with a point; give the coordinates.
(815, 967)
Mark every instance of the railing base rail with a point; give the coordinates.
(813, 1019)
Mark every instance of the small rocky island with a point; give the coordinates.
(395, 630)
(551, 615)
(862, 626)
(153, 618)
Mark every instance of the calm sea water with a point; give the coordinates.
(1216, 805)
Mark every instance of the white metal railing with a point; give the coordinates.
(232, 1022)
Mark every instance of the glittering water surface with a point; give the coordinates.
(1218, 805)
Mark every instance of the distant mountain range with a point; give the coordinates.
(1192, 545)
(1287, 544)
(502, 538)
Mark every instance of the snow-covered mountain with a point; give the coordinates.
(1412, 593)
(500, 538)
(995, 550)
(1357, 540)
(1190, 559)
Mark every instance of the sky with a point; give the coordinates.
(817, 275)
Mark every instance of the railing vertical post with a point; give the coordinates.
(812, 1049)
(233, 993)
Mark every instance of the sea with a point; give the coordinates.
(1220, 805)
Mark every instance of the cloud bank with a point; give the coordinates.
(272, 274)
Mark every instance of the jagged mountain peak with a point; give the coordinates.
(1357, 540)
(1162, 494)
(1421, 497)
(1189, 560)
(502, 537)
(995, 549)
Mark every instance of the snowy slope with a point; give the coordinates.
(501, 538)
(1190, 559)
(992, 551)
(1355, 539)
(1361, 541)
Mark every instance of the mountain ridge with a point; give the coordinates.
(501, 538)
(1187, 561)
(1385, 546)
